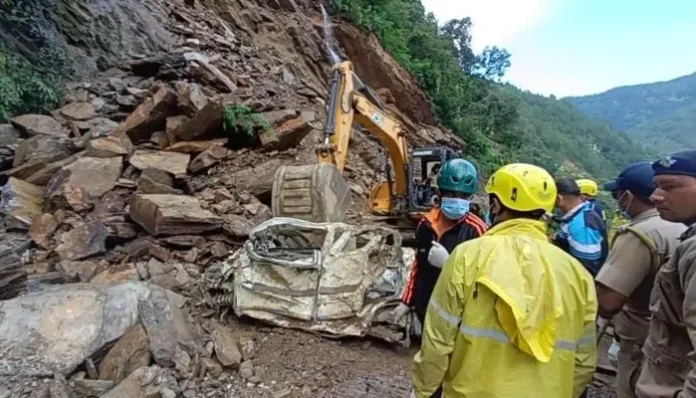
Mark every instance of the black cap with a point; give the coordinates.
(636, 178)
(567, 186)
(680, 163)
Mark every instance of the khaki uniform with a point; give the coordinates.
(670, 366)
(630, 270)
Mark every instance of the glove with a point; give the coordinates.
(437, 255)
(400, 312)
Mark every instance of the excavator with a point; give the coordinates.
(319, 193)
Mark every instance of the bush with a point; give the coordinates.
(23, 89)
(239, 119)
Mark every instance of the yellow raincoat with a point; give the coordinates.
(512, 316)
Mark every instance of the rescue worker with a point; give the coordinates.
(637, 252)
(439, 232)
(588, 192)
(669, 368)
(582, 232)
(512, 315)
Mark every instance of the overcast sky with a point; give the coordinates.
(578, 47)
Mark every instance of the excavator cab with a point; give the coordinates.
(424, 164)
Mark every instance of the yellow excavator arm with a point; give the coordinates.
(319, 192)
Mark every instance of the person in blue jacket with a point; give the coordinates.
(582, 232)
(589, 191)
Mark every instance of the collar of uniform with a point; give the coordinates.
(690, 232)
(520, 226)
(645, 215)
(573, 211)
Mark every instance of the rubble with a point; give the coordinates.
(172, 215)
(20, 203)
(172, 162)
(121, 205)
(31, 125)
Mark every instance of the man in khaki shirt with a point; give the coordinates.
(626, 279)
(669, 368)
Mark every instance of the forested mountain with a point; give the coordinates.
(499, 122)
(661, 116)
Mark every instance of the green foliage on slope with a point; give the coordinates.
(23, 89)
(499, 123)
(659, 115)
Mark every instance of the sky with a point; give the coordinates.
(580, 47)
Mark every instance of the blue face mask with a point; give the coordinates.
(455, 208)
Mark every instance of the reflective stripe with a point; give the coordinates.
(503, 338)
(452, 319)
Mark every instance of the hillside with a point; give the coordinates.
(660, 116)
(499, 123)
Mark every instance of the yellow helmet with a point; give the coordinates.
(587, 187)
(523, 187)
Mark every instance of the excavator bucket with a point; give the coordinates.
(316, 193)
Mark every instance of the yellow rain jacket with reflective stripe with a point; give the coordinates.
(511, 316)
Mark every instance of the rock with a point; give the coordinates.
(286, 135)
(257, 180)
(160, 139)
(248, 347)
(184, 241)
(150, 116)
(41, 150)
(20, 203)
(97, 127)
(155, 181)
(208, 158)
(77, 271)
(92, 388)
(84, 241)
(172, 215)
(172, 123)
(171, 162)
(78, 111)
(152, 382)
(44, 175)
(168, 276)
(42, 229)
(120, 229)
(196, 146)
(246, 370)
(203, 123)
(110, 204)
(126, 102)
(116, 274)
(57, 328)
(85, 179)
(212, 367)
(277, 117)
(182, 362)
(156, 317)
(91, 369)
(190, 97)
(107, 147)
(226, 347)
(8, 135)
(131, 352)
(237, 226)
(31, 125)
(117, 84)
(59, 387)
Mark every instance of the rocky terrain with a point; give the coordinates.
(156, 165)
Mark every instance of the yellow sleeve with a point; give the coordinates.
(586, 351)
(441, 327)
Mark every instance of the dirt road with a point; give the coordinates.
(289, 364)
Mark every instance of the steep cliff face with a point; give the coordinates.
(83, 38)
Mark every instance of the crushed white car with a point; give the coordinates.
(331, 278)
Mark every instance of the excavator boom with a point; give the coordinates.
(319, 192)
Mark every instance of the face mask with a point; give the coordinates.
(624, 213)
(487, 218)
(455, 208)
